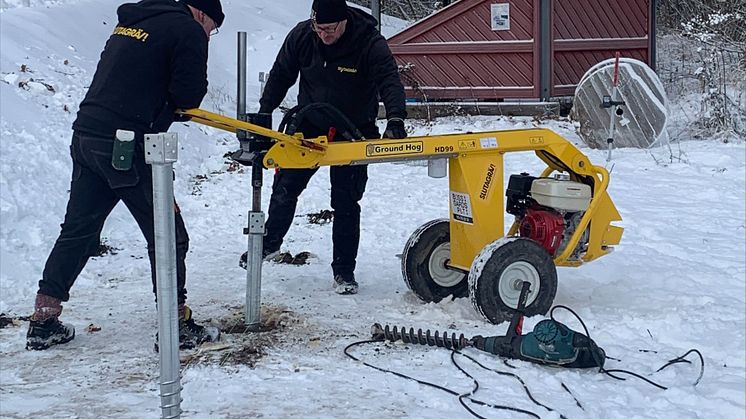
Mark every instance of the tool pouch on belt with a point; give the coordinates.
(123, 151)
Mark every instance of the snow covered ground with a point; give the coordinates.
(676, 282)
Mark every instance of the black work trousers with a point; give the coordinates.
(348, 186)
(95, 189)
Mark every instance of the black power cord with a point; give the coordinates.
(507, 374)
(611, 372)
(462, 397)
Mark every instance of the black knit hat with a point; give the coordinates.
(329, 11)
(211, 8)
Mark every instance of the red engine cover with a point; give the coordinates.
(544, 227)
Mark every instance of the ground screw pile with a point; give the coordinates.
(422, 338)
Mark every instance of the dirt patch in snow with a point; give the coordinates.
(240, 346)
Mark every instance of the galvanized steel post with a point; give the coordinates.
(241, 71)
(252, 312)
(161, 151)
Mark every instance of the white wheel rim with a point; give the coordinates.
(511, 281)
(440, 274)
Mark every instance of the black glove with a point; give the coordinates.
(395, 129)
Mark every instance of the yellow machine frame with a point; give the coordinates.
(476, 178)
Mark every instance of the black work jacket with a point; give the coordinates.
(350, 74)
(154, 62)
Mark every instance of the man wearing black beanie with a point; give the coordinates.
(342, 61)
(154, 62)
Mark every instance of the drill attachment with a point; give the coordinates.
(550, 343)
(422, 338)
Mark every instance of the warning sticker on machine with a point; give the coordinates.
(488, 142)
(461, 207)
(467, 144)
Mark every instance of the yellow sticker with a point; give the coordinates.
(393, 149)
(536, 140)
(467, 144)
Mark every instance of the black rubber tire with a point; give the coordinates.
(514, 255)
(416, 260)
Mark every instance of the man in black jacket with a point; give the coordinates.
(154, 62)
(342, 61)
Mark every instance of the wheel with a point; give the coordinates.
(498, 272)
(424, 261)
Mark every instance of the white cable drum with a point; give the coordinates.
(643, 121)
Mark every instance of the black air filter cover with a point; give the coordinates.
(517, 193)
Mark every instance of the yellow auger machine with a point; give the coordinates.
(563, 216)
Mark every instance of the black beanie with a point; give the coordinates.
(211, 8)
(329, 11)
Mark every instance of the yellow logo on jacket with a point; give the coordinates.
(346, 70)
(136, 33)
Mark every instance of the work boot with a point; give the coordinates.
(192, 334)
(268, 255)
(45, 329)
(345, 284)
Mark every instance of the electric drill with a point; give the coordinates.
(550, 343)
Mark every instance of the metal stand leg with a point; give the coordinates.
(161, 151)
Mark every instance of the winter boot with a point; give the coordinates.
(45, 329)
(192, 334)
(345, 284)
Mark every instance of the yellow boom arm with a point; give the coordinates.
(476, 178)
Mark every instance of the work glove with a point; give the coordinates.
(395, 129)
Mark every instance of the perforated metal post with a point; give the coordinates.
(161, 152)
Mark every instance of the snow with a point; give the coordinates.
(676, 281)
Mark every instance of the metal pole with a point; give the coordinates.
(256, 216)
(262, 82)
(161, 152)
(545, 39)
(256, 242)
(653, 35)
(241, 94)
(375, 10)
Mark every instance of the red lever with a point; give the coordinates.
(519, 327)
(330, 135)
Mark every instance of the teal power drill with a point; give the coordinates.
(550, 343)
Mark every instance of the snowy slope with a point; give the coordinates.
(676, 281)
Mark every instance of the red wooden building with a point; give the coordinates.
(519, 49)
